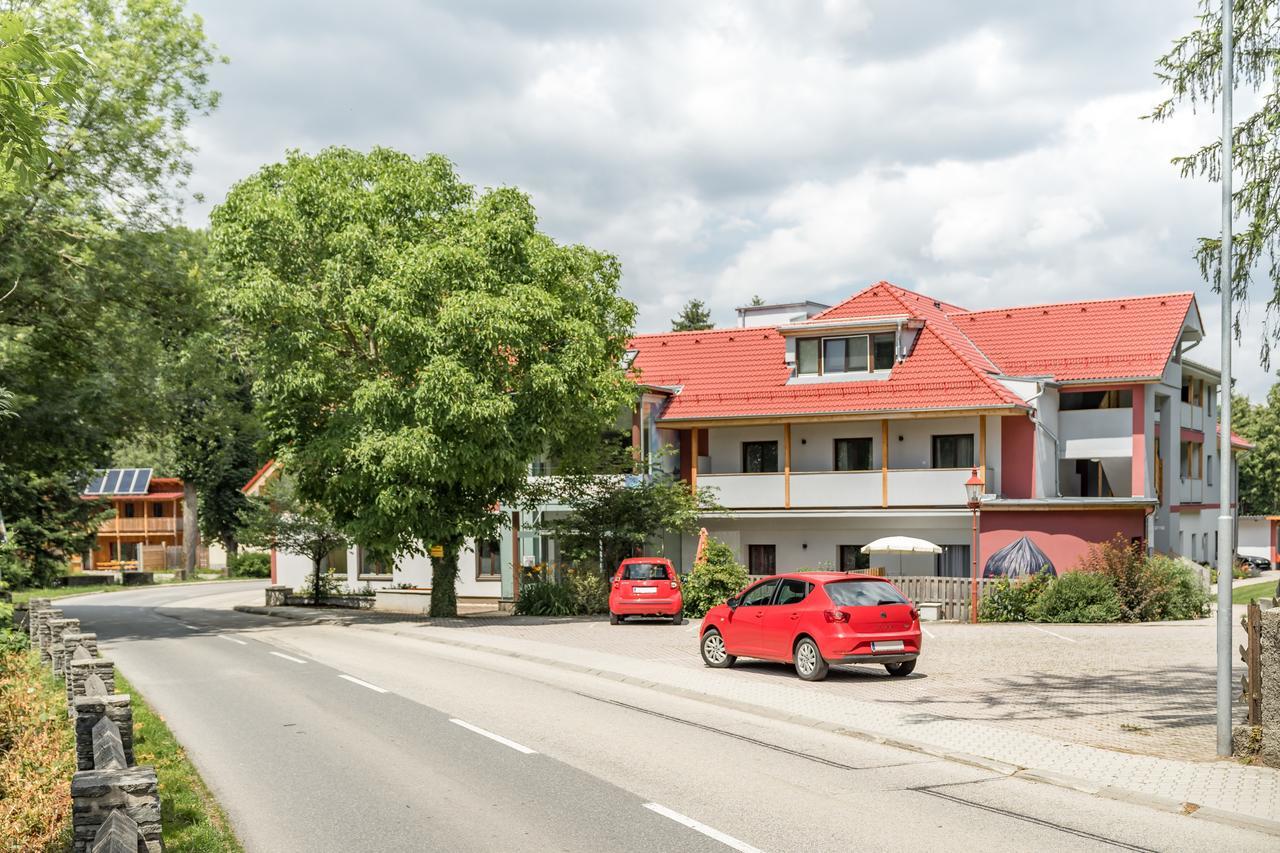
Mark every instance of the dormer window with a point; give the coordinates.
(845, 354)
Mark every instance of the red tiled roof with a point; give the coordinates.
(1238, 441)
(742, 372)
(1107, 339)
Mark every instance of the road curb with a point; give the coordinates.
(294, 616)
(1085, 786)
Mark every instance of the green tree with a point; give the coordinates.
(283, 520)
(693, 317)
(756, 301)
(37, 84)
(85, 256)
(610, 518)
(1260, 467)
(414, 343)
(1192, 74)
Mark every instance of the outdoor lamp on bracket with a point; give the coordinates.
(973, 488)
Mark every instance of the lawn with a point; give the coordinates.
(61, 591)
(192, 819)
(1247, 593)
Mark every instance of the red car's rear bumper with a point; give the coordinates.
(853, 647)
(646, 606)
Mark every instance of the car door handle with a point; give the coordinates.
(795, 615)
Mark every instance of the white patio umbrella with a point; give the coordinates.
(901, 545)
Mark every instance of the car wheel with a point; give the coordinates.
(614, 618)
(810, 665)
(678, 619)
(900, 669)
(714, 653)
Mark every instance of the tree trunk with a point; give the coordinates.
(190, 528)
(315, 583)
(444, 579)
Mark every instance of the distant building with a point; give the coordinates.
(146, 532)
(778, 313)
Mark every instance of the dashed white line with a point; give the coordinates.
(697, 826)
(287, 657)
(928, 633)
(1052, 634)
(355, 680)
(231, 639)
(188, 627)
(499, 738)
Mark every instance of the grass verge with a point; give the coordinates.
(1248, 592)
(37, 753)
(192, 819)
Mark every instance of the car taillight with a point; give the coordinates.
(835, 615)
(914, 615)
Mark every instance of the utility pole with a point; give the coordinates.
(1226, 548)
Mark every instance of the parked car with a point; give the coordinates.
(645, 586)
(813, 620)
(1255, 564)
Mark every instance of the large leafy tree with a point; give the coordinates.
(85, 253)
(283, 520)
(1260, 467)
(1192, 74)
(415, 343)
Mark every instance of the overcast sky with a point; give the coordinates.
(988, 153)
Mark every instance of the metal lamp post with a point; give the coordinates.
(973, 488)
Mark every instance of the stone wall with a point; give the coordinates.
(1262, 742)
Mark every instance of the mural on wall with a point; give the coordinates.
(1020, 558)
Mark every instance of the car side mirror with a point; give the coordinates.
(733, 603)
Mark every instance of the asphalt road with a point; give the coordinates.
(319, 738)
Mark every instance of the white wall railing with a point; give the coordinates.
(836, 488)
(1190, 490)
(1096, 433)
(1192, 416)
(832, 489)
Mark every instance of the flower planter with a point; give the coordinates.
(403, 600)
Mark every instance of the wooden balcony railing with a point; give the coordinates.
(141, 525)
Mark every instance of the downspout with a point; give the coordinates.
(1057, 445)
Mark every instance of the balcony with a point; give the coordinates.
(1096, 433)
(1190, 490)
(837, 489)
(1192, 416)
(140, 526)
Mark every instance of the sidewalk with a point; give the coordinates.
(1223, 791)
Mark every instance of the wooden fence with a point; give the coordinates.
(954, 594)
(1251, 655)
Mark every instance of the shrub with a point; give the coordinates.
(1180, 594)
(590, 592)
(1007, 601)
(1124, 564)
(14, 572)
(714, 579)
(251, 564)
(1078, 597)
(330, 584)
(545, 598)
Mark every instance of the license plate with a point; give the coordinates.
(887, 646)
(650, 590)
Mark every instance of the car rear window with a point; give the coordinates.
(864, 593)
(644, 572)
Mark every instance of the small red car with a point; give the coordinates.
(813, 620)
(646, 586)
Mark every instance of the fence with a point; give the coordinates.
(1259, 737)
(115, 804)
(954, 594)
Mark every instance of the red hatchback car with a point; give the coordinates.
(815, 619)
(645, 586)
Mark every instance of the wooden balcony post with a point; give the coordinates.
(884, 462)
(786, 466)
(693, 469)
(982, 447)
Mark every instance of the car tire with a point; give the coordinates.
(810, 665)
(714, 653)
(614, 618)
(678, 619)
(900, 669)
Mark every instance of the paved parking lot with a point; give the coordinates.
(1145, 689)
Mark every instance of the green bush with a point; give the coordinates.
(714, 579)
(545, 598)
(251, 564)
(1180, 593)
(590, 592)
(14, 572)
(1078, 597)
(1009, 602)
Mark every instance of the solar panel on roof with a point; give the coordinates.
(125, 486)
(119, 481)
(143, 482)
(113, 479)
(95, 484)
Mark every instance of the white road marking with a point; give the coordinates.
(188, 627)
(231, 639)
(499, 738)
(287, 657)
(928, 633)
(355, 680)
(1052, 634)
(710, 832)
